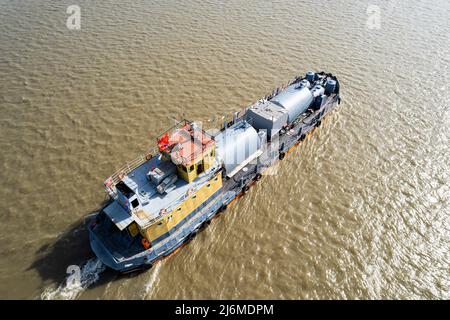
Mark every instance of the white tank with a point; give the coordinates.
(305, 83)
(317, 91)
(294, 100)
(236, 144)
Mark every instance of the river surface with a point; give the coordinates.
(359, 211)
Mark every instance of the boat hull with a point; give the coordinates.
(232, 189)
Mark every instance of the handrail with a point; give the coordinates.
(117, 176)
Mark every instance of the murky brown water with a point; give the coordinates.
(360, 211)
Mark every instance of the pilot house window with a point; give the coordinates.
(135, 203)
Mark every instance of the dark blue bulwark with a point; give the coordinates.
(188, 217)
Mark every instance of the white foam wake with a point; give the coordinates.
(150, 285)
(69, 290)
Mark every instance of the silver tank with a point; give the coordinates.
(305, 83)
(317, 91)
(236, 144)
(295, 101)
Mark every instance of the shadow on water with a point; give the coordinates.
(73, 248)
(70, 248)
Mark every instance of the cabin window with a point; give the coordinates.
(199, 168)
(135, 203)
(193, 197)
(179, 209)
(184, 168)
(208, 185)
(133, 229)
(191, 168)
(215, 179)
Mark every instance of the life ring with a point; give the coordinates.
(109, 185)
(281, 156)
(190, 191)
(108, 182)
(245, 189)
(258, 176)
(145, 243)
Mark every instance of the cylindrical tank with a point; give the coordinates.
(318, 90)
(319, 101)
(295, 101)
(330, 86)
(310, 75)
(236, 144)
(305, 83)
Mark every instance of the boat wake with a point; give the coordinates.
(69, 290)
(150, 285)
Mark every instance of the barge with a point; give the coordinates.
(160, 200)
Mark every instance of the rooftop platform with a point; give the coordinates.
(153, 204)
(185, 143)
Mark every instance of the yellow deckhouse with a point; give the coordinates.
(158, 197)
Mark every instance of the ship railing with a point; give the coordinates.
(230, 119)
(118, 176)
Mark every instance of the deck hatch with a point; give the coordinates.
(118, 215)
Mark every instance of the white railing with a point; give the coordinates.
(126, 169)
